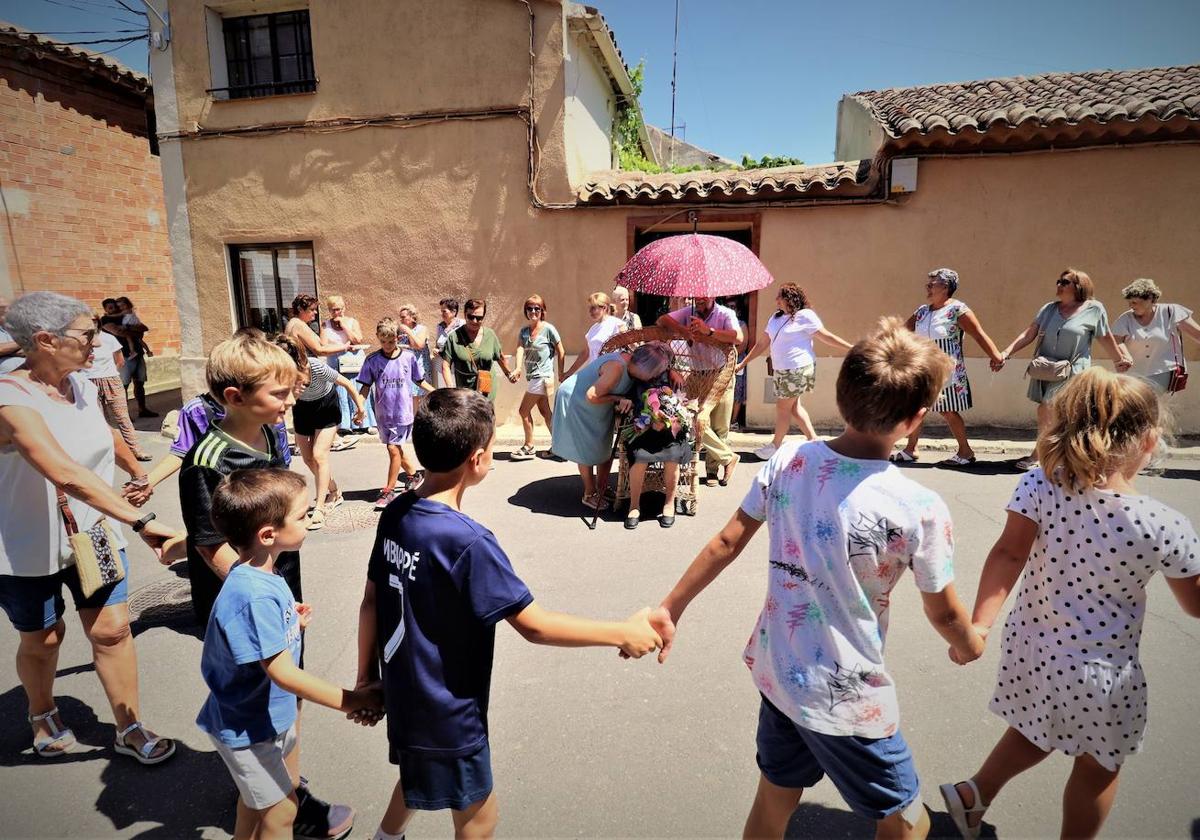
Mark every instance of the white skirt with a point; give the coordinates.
(536, 387)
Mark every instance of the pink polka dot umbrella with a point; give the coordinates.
(694, 265)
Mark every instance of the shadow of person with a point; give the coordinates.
(16, 737)
(557, 496)
(179, 798)
(814, 820)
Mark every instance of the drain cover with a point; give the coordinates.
(163, 602)
(351, 516)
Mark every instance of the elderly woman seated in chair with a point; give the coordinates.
(661, 431)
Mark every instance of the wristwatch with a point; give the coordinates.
(141, 523)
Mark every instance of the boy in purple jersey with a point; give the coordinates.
(392, 371)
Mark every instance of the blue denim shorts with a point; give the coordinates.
(876, 776)
(36, 603)
(432, 783)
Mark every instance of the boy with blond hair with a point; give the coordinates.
(255, 383)
(843, 524)
(252, 651)
(438, 583)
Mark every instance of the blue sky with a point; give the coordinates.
(764, 76)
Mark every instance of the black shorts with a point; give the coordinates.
(310, 417)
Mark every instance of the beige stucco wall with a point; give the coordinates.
(589, 109)
(444, 210)
(1008, 225)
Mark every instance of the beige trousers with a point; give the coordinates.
(717, 451)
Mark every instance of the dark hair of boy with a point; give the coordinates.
(104, 303)
(248, 500)
(449, 303)
(888, 377)
(451, 424)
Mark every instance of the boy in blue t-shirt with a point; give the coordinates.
(251, 648)
(437, 585)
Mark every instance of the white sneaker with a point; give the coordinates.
(764, 453)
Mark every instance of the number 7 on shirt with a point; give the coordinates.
(398, 634)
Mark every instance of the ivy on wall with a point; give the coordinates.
(627, 128)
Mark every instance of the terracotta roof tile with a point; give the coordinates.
(844, 179)
(103, 66)
(1052, 101)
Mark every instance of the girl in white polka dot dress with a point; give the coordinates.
(1088, 543)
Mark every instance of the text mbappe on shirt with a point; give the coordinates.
(404, 562)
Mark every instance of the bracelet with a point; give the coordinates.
(140, 481)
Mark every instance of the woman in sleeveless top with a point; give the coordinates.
(340, 329)
(945, 320)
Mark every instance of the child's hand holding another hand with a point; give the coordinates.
(640, 636)
(305, 611)
(976, 644)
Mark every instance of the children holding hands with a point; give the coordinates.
(252, 650)
(844, 524)
(438, 583)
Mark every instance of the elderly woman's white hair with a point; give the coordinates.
(38, 312)
(1143, 287)
(651, 359)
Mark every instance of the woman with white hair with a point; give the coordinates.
(586, 405)
(1153, 333)
(655, 446)
(621, 310)
(57, 461)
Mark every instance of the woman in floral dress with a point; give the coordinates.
(945, 320)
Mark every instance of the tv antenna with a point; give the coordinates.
(674, 70)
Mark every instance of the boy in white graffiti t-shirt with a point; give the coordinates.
(844, 524)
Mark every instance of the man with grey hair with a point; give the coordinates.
(11, 356)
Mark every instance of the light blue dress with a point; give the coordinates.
(1067, 339)
(583, 432)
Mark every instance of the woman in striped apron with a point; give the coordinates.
(946, 320)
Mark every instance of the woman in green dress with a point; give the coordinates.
(1064, 329)
(473, 348)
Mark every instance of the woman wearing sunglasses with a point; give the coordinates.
(57, 462)
(538, 346)
(472, 352)
(1064, 329)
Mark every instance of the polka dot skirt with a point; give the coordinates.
(1069, 676)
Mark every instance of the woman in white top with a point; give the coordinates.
(105, 374)
(338, 329)
(53, 435)
(604, 326)
(789, 336)
(1153, 332)
(414, 335)
(945, 320)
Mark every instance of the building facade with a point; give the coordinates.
(395, 151)
(82, 187)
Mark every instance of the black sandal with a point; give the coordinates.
(665, 521)
(631, 522)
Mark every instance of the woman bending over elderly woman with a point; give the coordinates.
(586, 406)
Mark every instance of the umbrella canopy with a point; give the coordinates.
(694, 265)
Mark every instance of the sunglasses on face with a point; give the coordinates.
(1063, 282)
(478, 319)
(86, 337)
(529, 309)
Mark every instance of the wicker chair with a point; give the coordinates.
(705, 386)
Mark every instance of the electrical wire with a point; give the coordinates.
(87, 32)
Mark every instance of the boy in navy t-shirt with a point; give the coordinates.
(252, 648)
(437, 585)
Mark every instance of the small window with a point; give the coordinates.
(266, 278)
(267, 55)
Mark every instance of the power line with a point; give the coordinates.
(88, 32)
(104, 41)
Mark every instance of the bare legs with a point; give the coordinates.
(595, 481)
(958, 428)
(528, 403)
(774, 805)
(37, 662)
(1087, 797)
(786, 410)
(475, 822)
(315, 452)
(395, 464)
(637, 478)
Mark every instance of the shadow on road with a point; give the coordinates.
(978, 468)
(557, 496)
(812, 820)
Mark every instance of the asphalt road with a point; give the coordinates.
(583, 743)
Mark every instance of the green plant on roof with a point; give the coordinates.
(769, 162)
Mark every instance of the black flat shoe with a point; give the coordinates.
(666, 521)
(631, 522)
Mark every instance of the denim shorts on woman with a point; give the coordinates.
(876, 776)
(433, 783)
(36, 603)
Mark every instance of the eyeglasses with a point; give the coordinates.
(87, 337)
(478, 319)
(1062, 281)
(533, 309)
(933, 283)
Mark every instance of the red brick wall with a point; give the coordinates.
(85, 214)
